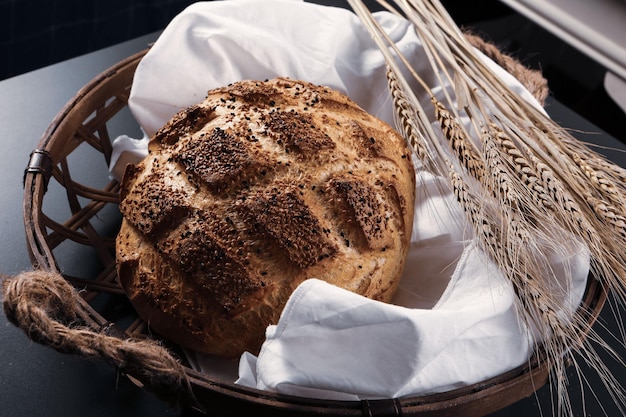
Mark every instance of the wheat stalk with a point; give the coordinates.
(464, 149)
(406, 119)
(538, 304)
(527, 186)
(526, 173)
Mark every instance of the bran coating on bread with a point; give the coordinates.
(244, 196)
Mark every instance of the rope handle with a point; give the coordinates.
(44, 305)
(533, 80)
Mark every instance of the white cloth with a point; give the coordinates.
(456, 322)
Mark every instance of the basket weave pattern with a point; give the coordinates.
(93, 220)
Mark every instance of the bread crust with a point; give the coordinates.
(245, 195)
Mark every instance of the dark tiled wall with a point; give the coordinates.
(35, 33)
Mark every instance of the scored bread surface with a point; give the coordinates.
(247, 194)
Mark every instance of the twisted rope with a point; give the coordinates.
(44, 305)
(533, 80)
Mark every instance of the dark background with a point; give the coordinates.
(36, 33)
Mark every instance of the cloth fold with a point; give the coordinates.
(454, 321)
(340, 343)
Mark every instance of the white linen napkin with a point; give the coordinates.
(455, 321)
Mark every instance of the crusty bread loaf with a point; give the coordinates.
(252, 191)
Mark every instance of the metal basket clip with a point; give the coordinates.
(40, 162)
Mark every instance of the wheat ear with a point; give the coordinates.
(406, 119)
(461, 146)
(537, 305)
(526, 187)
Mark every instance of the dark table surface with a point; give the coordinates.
(36, 380)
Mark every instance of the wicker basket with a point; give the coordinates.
(85, 226)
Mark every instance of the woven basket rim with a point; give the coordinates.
(476, 399)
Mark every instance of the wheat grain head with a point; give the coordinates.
(526, 188)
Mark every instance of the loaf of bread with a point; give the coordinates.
(247, 194)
